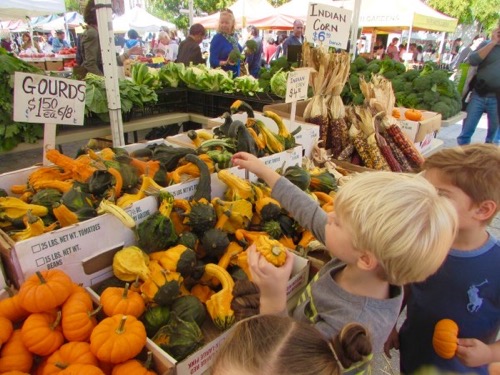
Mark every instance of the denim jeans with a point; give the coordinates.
(475, 109)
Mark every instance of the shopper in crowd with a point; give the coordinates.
(29, 45)
(270, 49)
(296, 38)
(223, 43)
(253, 58)
(402, 52)
(455, 47)
(486, 92)
(60, 42)
(392, 49)
(189, 49)
(279, 47)
(465, 289)
(418, 56)
(379, 240)
(268, 344)
(133, 41)
(465, 52)
(5, 41)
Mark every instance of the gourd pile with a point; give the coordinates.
(50, 327)
(74, 190)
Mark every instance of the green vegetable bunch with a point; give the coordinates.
(247, 85)
(265, 74)
(170, 74)
(278, 83)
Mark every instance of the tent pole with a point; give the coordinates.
(410, 31)
(354, 28)
(441, 45)
(106, 40)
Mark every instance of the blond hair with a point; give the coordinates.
(474, 169)
(227, 12)
(268, 345)
(400, 219)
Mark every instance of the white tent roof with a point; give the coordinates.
(243, 11)
(18, 9)
(139, 20)
(71, 19)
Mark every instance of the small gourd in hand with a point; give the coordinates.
(444, 339)
(413, 114)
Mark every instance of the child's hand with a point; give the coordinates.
(255, 165)
(392, 342)
(473, 352)
(271, 280)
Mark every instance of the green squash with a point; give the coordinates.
(179, 338)
(298, 176)
(189, 308)
(46, 198)
(154, 318)
(273, 228)
(100, 181)
(77, 198)
(215, 242)
(188, 239)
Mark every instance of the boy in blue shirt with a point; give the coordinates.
(466, 288)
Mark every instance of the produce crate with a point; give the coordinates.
(170, 99)
(421, 132)
(201, 102)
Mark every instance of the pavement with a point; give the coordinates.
(381, 364)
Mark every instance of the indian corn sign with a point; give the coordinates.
(328, 25)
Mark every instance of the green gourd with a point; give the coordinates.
(189, 308)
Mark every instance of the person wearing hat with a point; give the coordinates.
(59, 43)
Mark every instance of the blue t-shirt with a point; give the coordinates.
(465, 289)
(58, 44)
(220, 48)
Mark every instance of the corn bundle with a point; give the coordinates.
(404, 144)
(326, 109)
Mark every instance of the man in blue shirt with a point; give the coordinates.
(59, 43)
(296, 38)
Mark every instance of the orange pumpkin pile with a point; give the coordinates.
(54, 318)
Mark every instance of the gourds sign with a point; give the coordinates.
(48, 100)
(328, 25)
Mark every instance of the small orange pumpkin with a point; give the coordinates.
(6, 330)
(79, 369)
(396, 113)
(78, 316)
(45, 290)
(14, 355)
(444, 339)
(15, 372)
(133, 366)
(42, 333)
(118, 338)
(413, 114)
(11, 309)
(68, 354)
(116, 300)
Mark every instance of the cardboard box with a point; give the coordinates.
(200, 361)
(418, 131)
(285, 109)
(3, 280)
(280, 160)
(54, 65)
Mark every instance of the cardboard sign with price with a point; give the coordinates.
(328, 25)
(48, 100)
(296, 89)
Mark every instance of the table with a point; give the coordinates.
(454, 119)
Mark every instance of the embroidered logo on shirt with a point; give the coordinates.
(475, 301)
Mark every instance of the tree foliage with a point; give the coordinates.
(468, 11)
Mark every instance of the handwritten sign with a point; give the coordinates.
(296, 85)
(328, 25)
(48, 100)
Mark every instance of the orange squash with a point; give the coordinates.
(45, 290)
(69, 354)
(118, 338)
(396, 113)
(79, 369)
(11, 309)
(133, 366)
(6, 330)
(42, 333)
(117, 300)
(413, 114)
(444, 339)
(15, 372)
(78, 316)
(14, 355)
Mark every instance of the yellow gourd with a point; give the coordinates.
(129, 263)
(13, 208)
(219, 304)
(34, 227)
(273, 250)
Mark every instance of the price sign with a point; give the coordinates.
(48, 100)
(158, 59)
(328, 25)
(296, 85)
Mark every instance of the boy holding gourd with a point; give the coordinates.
(466, 289)
(388, 229)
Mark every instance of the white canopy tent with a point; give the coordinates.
(70, 20)
(140, 20)
(243, 10)
(19, 9)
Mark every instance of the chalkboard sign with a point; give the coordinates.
(48, 100)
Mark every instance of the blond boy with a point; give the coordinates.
(388, 229)
(466, 288)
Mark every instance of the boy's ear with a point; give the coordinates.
(485, 210)
(367, 261)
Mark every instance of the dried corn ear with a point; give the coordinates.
(378, 160)
(405, 145)
(397, 153)
(346, 153)
(361, 146)
(386, 152)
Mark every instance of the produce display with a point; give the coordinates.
(429, 88)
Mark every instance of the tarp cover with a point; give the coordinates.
(19, 9)
(140, 20)
(243, 10)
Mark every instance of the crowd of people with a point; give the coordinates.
(39, 43)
